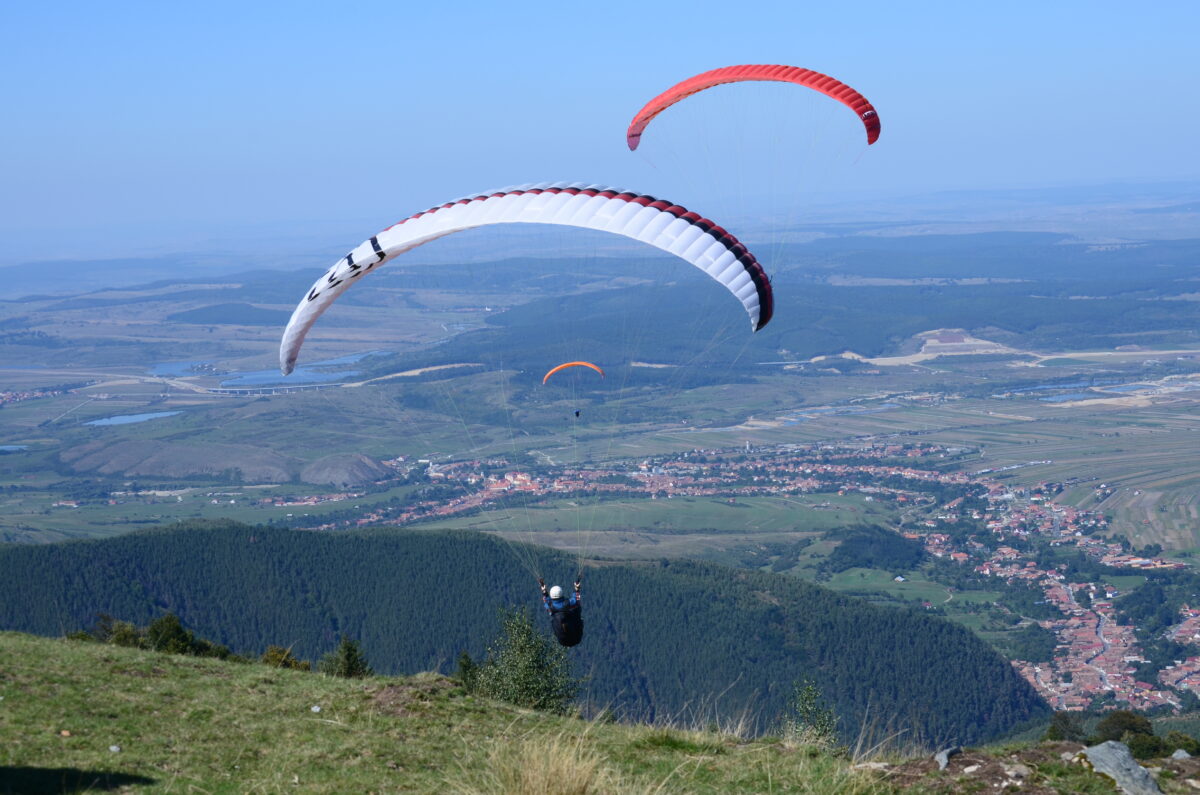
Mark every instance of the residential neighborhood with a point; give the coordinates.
(978, 523)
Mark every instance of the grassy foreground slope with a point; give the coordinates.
(661, 638)
(183, 724)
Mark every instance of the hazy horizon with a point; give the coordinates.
(1117, 212)
(145, 128)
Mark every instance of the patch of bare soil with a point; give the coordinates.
(409, 699)
(975, 771)
(1186, 773)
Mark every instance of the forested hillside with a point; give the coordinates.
(661, 639)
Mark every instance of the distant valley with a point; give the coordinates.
(1044, 407)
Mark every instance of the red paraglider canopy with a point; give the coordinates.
(770, 72)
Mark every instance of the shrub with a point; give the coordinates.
(808, 720)
(1177, 739)
(279, 657)
(166, 633)
(1066, 726)
(1115, 725)
(205, 648)
(524, 667)
(118, 633)
(1145, 746)
(467, 671)
(346, 661)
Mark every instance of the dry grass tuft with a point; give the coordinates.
(563, 764)
(808, 737)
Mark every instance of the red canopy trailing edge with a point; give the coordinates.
(554, 370)
(769, 72)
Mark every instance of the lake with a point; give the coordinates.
(129, 419)
(325, 371)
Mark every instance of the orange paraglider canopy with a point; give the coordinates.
(564, 366)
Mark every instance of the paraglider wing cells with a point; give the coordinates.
(565, 365)
(660, 223)
(825, 84)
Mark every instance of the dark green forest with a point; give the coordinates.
(662, 639)
(873, 547)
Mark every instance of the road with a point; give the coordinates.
(110, 380)
(1104, 644)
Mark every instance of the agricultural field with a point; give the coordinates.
(44, 514)
(1123, 418)
(710, 528)
(1144, 452)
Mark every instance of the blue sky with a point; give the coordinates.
(155, 124)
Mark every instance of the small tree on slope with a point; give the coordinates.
(346, 660)
(524, 667)
(808, 720)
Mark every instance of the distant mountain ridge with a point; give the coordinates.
(238, 314)
(660, 638)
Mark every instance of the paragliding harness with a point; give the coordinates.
(566, 617)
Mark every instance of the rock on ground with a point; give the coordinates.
(943, 757)
(1114, 760)
(980, 771)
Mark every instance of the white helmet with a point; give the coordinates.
(556, 592)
